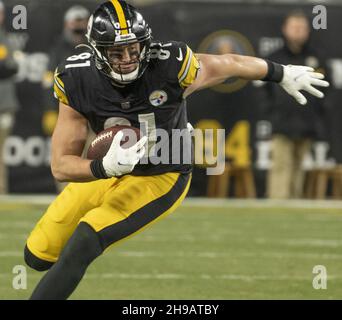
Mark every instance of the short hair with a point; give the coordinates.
(296, 14)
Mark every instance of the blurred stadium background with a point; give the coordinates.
(230, 248)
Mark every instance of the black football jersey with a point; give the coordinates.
(154, 101)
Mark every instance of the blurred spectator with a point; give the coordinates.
(75, 28)
(294, 127)
(8, 101)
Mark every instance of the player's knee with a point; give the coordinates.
(36, 263)
(82, 248)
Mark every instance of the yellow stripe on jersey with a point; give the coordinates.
(185, 63)
(60, 95)
(189, 70)
(121, 16)
(59, 82)
(59, 90)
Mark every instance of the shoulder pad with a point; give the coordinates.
(179, 62)
(65, 75)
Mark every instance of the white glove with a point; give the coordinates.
(119, 161)
(298, 78)
(190, 127)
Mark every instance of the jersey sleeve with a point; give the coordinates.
(188, 68)
(59, 88)
(71, 79)
(183, 64)
(64, 87)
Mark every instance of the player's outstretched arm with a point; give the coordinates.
(68, 141)
(215, 69)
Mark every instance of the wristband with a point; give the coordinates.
(275, 72)
(98, 170)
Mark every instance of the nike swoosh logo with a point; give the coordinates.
(180, 58)
(123, 164)
(296, 78)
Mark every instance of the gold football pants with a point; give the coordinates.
(115, 208)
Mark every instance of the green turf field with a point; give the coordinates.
(205, 250)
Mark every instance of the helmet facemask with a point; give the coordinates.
(113, 66)
(115, 70)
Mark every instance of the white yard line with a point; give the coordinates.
(16, 224)
(6, 254)
(201, 202)
(207, 255)
(219, 255)
(262, 203)
(11, 236)
(30, 199)
(175, 276)
(294, 242)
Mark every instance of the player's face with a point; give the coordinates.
(124, 59)
(296, 30)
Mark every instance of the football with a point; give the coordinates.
(101, 143)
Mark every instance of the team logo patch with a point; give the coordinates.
(158, 98)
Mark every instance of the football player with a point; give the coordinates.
(128, 79)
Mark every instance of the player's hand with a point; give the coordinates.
(118, 160)
(298, 78)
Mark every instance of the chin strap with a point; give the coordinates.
(125, 78)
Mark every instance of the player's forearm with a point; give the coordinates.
(216, 69)
(70, 168)
(245, 67)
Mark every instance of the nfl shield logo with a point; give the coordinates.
(125, 105)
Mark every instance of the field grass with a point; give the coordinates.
(205, 250)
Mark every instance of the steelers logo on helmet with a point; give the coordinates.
(158, 98)
(117, 26)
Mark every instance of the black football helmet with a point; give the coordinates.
(116, 23)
